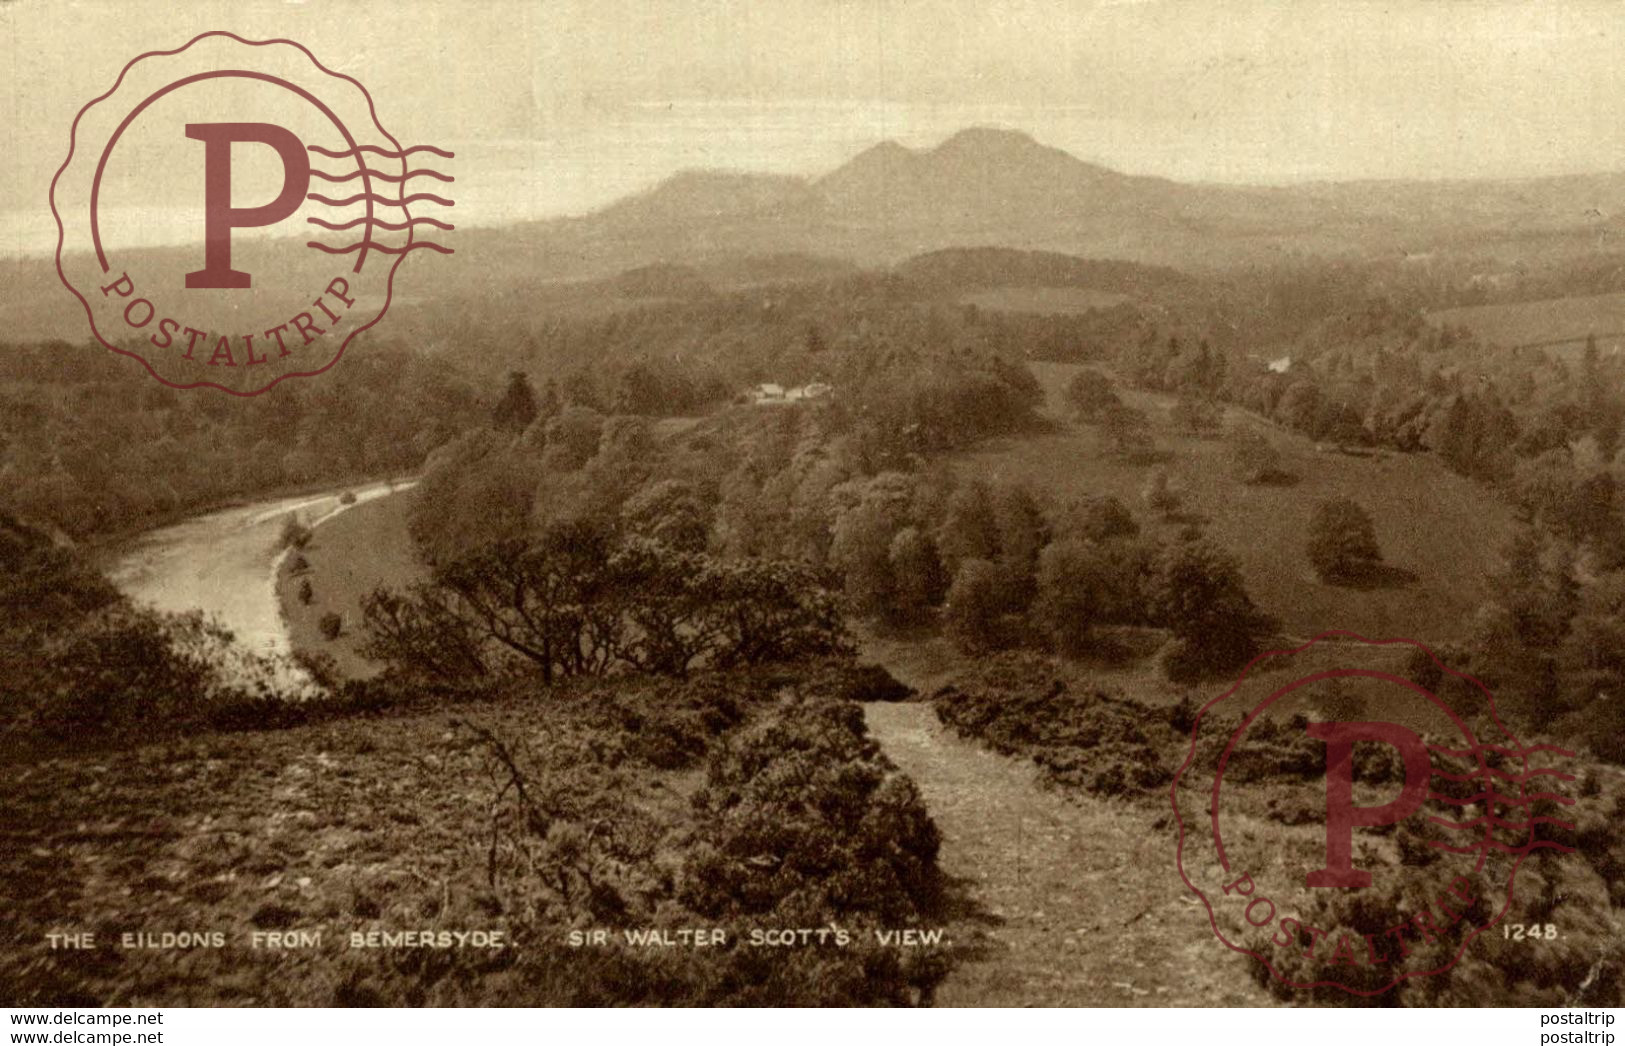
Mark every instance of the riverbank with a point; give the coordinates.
(347, 558)
(224, 565)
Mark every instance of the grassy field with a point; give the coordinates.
(1043, 300)
(1444, 529)
(1554, 323)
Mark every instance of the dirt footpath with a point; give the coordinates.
(1064, 901)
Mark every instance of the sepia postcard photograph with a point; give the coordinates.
(812, 503)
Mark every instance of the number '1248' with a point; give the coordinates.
(1533, 931)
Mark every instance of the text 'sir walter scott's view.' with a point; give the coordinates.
(1108, 504)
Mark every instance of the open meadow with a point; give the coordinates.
(1444, 529)
(1556, 324)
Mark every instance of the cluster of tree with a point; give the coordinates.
(1175, 365)
(1542, 431)
(957, 269)
(819, 486)
(1551, 644)
(904, 404)
(152, 452)
(489, 486)
(745, 488)
(683, 355)
(1000, 568)
(745, 482)
(1092, 398)
(644, 385)
(582, 600)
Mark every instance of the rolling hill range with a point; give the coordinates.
(985, 187)
(979, 188)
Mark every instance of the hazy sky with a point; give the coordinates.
(559, 107)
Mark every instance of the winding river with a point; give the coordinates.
(224, 564)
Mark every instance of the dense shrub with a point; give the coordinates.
(294, 534)
(1087, 739)
(125, 670)
(871, 683)
(1581, 967)
(78, 661)
(580, 601)
(803, 820)
(800, 823)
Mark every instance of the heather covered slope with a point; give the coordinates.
(639, 806)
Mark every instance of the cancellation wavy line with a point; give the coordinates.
(422, 172)
(380, 223)
(1485, 845)
(1491, 819)
(352, 248)
(1515, 753)
(1490, 771)
(375, 198)
(1504, 800)
(393, 154)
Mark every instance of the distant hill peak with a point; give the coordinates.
(995, 143)
(986, 139)
(968, 140)
(986, 179)
(886, 149)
